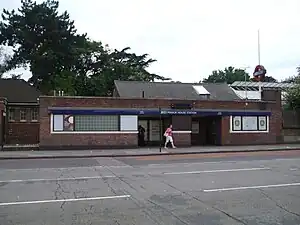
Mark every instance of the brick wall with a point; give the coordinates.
(88, 141)
(22, 133)
(114, 140)
(182, 139)
(272, 137)
(291, 126)
(2, 108)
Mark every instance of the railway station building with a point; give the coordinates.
(201, 114)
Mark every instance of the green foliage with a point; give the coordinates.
(60, 58)
(266, 79)
(292, 97)
(228, 75)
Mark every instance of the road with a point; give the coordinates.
(209, 189)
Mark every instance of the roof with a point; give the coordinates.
(241, 85)
(135, 89)
(18, 91)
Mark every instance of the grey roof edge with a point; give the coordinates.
(199, 110)
(167, 82)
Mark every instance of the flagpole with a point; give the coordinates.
(258, 46)
(258, 52)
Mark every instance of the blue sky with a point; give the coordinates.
(191, 38)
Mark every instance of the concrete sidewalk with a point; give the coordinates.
(141, 151)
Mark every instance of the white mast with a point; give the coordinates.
(258, 51)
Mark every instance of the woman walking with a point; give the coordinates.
(169, 137)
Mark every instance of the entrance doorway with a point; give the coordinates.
(206, 130)
(153, 135)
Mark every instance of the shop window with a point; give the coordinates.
(96, 123)
(63, 123)
(249, 124)
(34, 114)
(23, 115)
(85, 123)
(11, 114)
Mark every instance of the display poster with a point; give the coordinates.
(58, 122)
(250, 123)
(237, 123)
(262, 122)
(154, 130)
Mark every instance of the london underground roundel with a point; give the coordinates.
(259, 73)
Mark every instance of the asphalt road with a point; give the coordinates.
(212, 189)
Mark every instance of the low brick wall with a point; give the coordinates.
(89, 141)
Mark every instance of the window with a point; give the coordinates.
(86, 123)
(34, 114)
(249, 124)
(11, 115)
(96, 123)
(63, 123)
(22, 115)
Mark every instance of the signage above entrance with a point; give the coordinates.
(170, 112)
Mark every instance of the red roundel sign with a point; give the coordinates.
(259, 73)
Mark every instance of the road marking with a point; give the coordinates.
(218, 171)
(252, 187)
(64, 200)
(63, 168)
(56, 179)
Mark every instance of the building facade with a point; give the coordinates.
(20, 112)
(199, 117)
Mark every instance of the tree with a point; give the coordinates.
(229, 75)
(269, 79)
(42, 38)
(60, 58)
(292, 96)
(106, 65)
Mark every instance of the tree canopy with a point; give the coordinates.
(231, 74)
(228, 75)
(292, 96)
(60, 58)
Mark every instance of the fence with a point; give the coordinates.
(291, 126)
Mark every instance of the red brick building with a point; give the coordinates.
(202, 114)
(19, 118)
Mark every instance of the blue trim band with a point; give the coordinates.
(157, 112)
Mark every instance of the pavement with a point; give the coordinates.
(33, 154)
(239, 188)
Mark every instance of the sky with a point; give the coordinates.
(191, 38)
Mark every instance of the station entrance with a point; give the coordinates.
(206, 130)
(154, 128)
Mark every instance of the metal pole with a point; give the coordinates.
(258, 51)
(258, 46)
(160, 129)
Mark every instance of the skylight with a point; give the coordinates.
(200, 90)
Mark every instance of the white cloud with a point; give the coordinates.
(193, 37)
